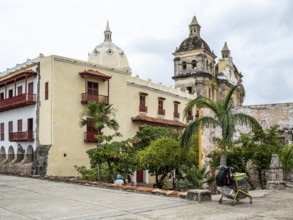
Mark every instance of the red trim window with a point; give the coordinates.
(10, 127)
(19, 125)
(2, 132)
(190, 116)
(142, 102)
(176, 109)
(31, 88)
(46, 90)
(161, 110)
(19, 90)
(10, 93)
(92, 88)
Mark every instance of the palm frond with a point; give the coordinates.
(227, 100)
(247, 120)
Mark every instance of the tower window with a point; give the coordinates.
(109, 51)
(189, 89)
(184, 65)
(193, 64)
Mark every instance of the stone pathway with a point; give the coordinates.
(27, 198)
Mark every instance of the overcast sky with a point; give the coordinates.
(259, 34)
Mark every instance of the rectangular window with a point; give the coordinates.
(19, 90)
(190, 116)
(161, 110)
(10, 127)
(176, 109)
(31, 88)
(46, 90)
(19, 125)
(1, 95)
(142, 102)
(2, 132)
(92, 88)
(10, 93)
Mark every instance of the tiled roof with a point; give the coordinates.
(94, 73)
(162, 121)
(19, 75)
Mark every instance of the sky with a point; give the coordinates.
(259, 34)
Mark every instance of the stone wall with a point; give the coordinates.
(271, 114)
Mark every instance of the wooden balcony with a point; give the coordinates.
(176, 115)
(85, 98)
(17, 102)
(21, 136)
(90, 137)
(161, 112)
(143, 108)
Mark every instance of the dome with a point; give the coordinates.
(193, 43)
(109, 55)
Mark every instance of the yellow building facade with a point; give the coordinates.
(63, 86)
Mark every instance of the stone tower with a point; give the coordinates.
(196, 70)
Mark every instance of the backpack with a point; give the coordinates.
(223, 177)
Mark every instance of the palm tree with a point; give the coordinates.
(223, 117)
(100, 116)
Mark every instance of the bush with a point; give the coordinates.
(87, 174)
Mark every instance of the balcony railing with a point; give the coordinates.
(90, 137)
(143, 108)
(85, 98)
(21, 136)
(176, 115)
(17, 101)
(161, 111)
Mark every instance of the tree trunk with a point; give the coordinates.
(99, 165)
(111, 171)
(157, 178)
(223, 160)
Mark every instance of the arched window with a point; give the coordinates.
(207, 65)
(2, 154)
(184, 65)
(194, 64)
(10, 153)
(211, 68)
(30, 154)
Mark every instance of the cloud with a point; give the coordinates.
(259, 35)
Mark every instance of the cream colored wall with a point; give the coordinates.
(66, 85)
(45, 108)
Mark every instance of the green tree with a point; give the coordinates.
(101, 116)
(223, 117)
(119, 157)
(160, 157)
(259, 146)
(286, 156)
(147, 134)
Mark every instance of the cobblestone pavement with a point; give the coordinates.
(26, 198)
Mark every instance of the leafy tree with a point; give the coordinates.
(119, 157)
(161, 157)
(101, 116)
(147, 134)
(259, 147)
(286, 156)
(193, 178)
(223, 117)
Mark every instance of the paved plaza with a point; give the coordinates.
(27, 198)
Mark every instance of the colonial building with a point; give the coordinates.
(196, 70)
(42, 99)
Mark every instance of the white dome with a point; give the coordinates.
(109, 55)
